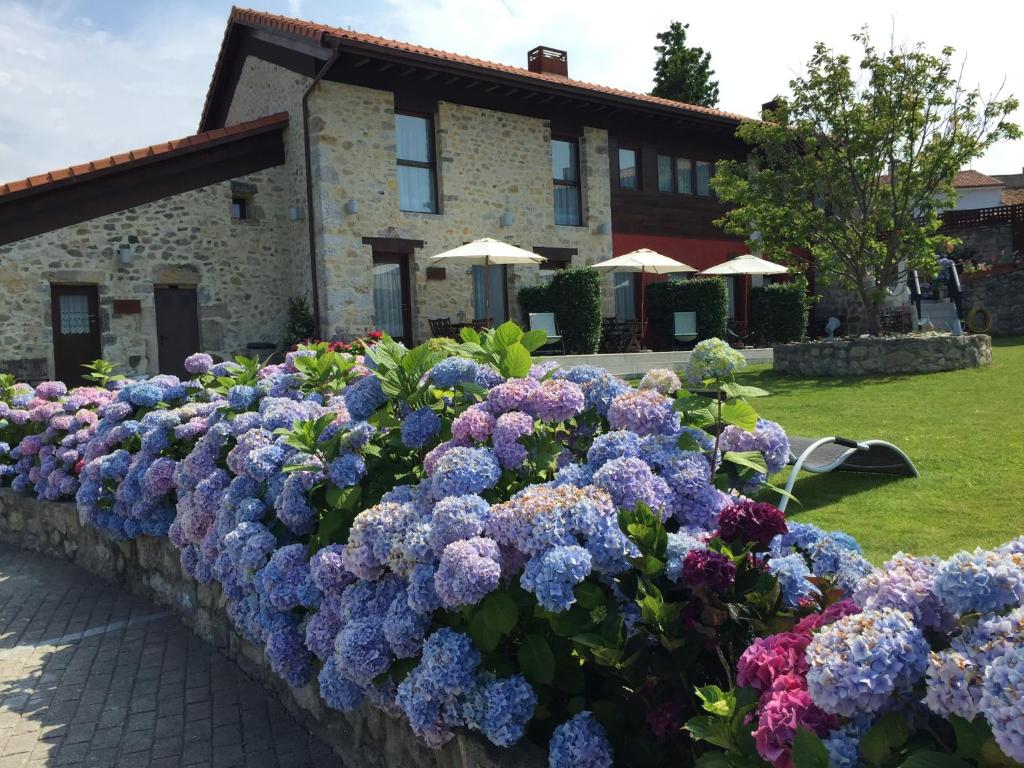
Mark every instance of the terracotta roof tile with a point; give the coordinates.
(317, 32)
(144, 153)
(966, 179)
(1013, 197)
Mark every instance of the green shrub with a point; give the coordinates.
(300, 321)
(535, 298)
(704, 295)
(778, 312)
(575, 294)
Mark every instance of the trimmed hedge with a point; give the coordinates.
(575, 295)
(704, 295)
(778, 312)
(535, 298)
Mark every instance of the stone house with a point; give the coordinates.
(332, 164)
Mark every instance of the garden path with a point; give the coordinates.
(93, 676)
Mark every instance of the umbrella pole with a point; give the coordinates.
(643, 312)
(487, 288)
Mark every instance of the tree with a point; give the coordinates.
(856, 168)
(683, 73)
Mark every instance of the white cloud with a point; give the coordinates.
(73, 91)
(74, 88)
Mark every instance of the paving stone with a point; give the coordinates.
(148, 696)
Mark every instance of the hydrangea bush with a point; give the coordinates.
(469, 540)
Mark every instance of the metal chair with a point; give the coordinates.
(684, 326)
(441, 327)
(545, 321)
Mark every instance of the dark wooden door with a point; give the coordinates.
(392, 304)
(177, 327)
(76, 330)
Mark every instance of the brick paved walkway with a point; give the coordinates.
(91, 675)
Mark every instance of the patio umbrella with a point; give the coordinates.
(486, 252)
(746, 265)
(643, 260)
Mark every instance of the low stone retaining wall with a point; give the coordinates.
(883, 355)
(149, 567)
(1002, 294)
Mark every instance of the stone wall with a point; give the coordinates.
(266, 89)
(883, 356)
(187, 239)
(986, 244)
(1002, 294)
(488, 162)
(364, 738)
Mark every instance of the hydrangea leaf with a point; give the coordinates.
(516, 361)
(500, 612)
(888, 734)
(740, 413)
(927, 759)
(808, 750)
(536, 660)
(534, 339)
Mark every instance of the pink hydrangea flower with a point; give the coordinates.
(770, 658)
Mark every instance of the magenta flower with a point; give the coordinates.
(708, 569)
(751, 522)
(769, 658)
(784, 708)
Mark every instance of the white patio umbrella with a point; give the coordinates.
(486, 252)
(643, 260)
(747, 264)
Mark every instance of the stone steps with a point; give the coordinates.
(940, 313)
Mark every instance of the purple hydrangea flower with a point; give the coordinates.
(198, 363)
(419, 427)
(644, 411)
(347, 470)
(461, 471)
(467, 571)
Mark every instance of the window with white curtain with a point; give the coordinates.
(565, 176)
(624, 285)
(704, 173)
(417, 182)
(388, 299)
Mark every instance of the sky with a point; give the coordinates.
(80, 80)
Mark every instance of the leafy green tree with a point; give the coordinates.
(682, 72)
(855, 165)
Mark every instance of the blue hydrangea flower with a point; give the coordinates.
(793, 574)
(327, 570)
(286, 581)
(580, 743)
(980, 581)
(457, 517)
(241, 396)
(337, 691)
(506, 706)
(859, 662)
(452, 371)
(419, 427)
(404, 628)
(617, 444)
(1002, 702)
(678, 545)
(461, 471)
(362, 651)
(346, 470)
(552, 575)
(363, 398)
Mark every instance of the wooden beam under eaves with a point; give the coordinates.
(360, 63)
(385, 66)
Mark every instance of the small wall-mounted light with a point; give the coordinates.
(507, 219)
(125, 255)
(604, 228)
(295, 213)
(351, 207)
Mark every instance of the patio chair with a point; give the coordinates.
(545, 321)
(684, 326)
(440, 327)
(839, 454)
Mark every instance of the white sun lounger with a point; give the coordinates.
(839, 454)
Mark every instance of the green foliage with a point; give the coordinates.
(855, 165)
(402, 371)
(101, 372)
(704, 295)
(683, 72)
(506, 348)
(535, 298)
(301, 323)
(575, 295)
(778, 312)
(327, 371)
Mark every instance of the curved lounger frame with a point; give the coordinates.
(839, 454)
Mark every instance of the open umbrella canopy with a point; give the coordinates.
(643, 260)
(485, 251)
(746, 265)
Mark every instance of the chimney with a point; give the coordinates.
(768, 107)
(549, 61)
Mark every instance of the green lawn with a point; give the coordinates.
(963, 429)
